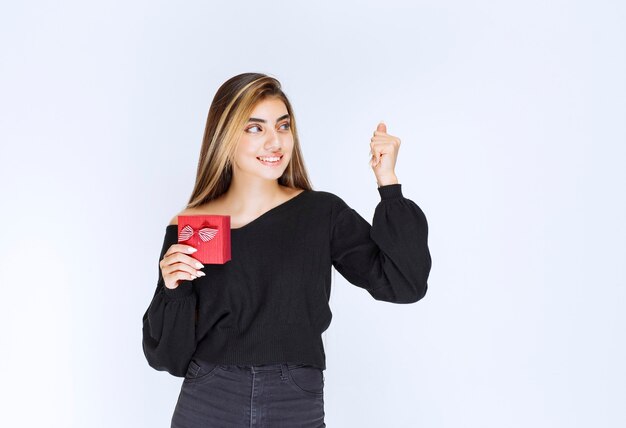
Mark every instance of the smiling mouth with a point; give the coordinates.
(271, 160)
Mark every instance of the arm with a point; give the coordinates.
(390, 258)
(169, 334)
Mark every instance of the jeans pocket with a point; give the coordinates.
(200, 371)
(306, 379)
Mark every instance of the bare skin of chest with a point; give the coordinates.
(220, 207)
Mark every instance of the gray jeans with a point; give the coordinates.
(272, 395)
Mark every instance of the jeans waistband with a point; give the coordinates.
(276, 367)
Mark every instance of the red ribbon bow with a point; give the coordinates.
(206, 233)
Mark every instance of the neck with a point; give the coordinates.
(253, 196)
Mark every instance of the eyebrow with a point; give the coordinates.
(256, 119)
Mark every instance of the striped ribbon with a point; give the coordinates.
(206, 233)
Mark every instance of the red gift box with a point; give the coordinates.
(210, 234)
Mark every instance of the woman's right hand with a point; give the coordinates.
(177, 266)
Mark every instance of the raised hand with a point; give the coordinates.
(384, 152)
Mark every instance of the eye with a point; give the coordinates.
(287, 126)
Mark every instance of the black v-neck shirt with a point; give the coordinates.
(270, 302)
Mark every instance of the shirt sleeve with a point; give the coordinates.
(390, 258)
(169, 323)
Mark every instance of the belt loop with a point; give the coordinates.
(283, 371)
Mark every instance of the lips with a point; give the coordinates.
(271, 163)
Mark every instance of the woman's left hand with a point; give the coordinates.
(384, 151)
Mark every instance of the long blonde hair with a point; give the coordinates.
(230, 110)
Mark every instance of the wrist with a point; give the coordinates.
(385, 181)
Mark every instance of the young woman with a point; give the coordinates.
(246, 334)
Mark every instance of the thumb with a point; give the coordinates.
(381, 127)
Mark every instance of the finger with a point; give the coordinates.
(380, 142)
(171, 276)
(384, 145)
(372, 158)
(379, 148)
(174, 268)
(183, 248)
(375, 158)
(381, 127)
(382, 138)
(189, 268)
(187, 260)
(179, 257)
(184, 276)
(176, 278)
(185, 268)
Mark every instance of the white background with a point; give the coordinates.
(512, 121)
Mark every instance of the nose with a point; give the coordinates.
(273, 141)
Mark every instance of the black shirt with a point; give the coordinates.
(269, 303)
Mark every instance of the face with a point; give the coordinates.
(267, 135)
